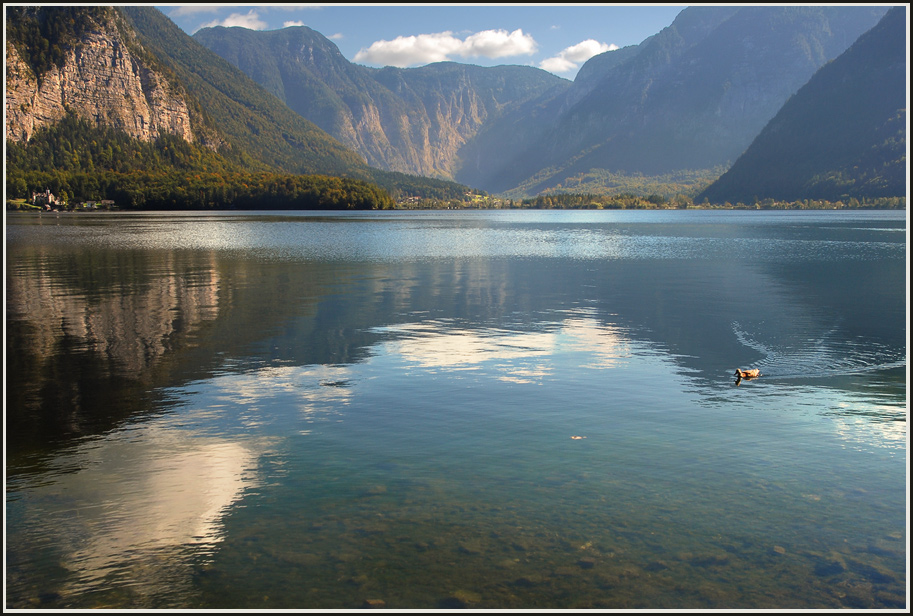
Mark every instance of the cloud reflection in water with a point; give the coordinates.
(516, 356)
(138, 503)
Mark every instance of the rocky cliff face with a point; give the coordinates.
(417, 120)
(102, 82)
(422, 130)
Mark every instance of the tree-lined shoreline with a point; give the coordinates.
(338, 198)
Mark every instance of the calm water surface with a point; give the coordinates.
(456, 409)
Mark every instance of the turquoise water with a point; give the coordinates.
(313, 411)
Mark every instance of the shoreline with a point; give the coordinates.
(746, 208)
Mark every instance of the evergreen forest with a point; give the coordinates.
(78, 162)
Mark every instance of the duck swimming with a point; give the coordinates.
(747, 374)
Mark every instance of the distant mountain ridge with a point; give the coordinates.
(408, 120)
(843, 134)
(693, 96)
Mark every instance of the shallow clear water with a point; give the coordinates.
(264, 411)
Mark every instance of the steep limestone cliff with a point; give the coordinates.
(100, 80)
(421, 127)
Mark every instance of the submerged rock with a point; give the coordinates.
(587, 562)
(461, 599)
(470, 546)
(528, 581)
(828, 568)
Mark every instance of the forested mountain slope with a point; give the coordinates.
(252, 120)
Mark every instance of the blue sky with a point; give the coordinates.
(558, 38)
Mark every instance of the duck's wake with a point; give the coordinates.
(824, 355)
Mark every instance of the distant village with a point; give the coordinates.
(49, 202)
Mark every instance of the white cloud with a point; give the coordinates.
(581, 52)
(251, 21)
(410, 50)
(571, 57)
(336, 37)
(406, 51)
(557, 64)
(289, 24)
(498, 44)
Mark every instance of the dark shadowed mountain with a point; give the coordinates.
(408, 120)
(843, 135)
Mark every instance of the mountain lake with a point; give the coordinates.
(456, 409)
